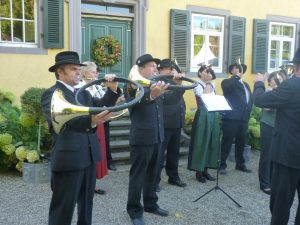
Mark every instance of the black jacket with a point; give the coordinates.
(285, 99)
(147, 123)
(174, 115)
(77, 145)
(234, 92)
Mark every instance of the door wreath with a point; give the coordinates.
(107, 51)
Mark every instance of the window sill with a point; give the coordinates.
(23, 50)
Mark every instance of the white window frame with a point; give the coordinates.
(22, 44)
(281, 40)
(206, 33)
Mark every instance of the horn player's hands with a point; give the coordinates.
(109, 82)
(101, 117)
(177, 78)
(158, 89)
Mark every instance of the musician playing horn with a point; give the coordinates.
(75, 151)
(145, 140)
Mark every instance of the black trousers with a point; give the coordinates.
(142, 178)
(107, 142)
(285, 182)
(69, 188)
(233, 129)
(172, 145)
(265, 164)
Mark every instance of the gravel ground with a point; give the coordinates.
(27, 204)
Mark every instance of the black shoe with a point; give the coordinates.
(178, 182)
(158, 188)
(200, 177)
(266, 191)
(138, 221)
(111, 167)
(208, 176)
(100, 191)
(243, 169)
(158, 211)
(222, 171)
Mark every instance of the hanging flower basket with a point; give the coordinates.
(107, 51)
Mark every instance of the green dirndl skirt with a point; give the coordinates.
(205, 141)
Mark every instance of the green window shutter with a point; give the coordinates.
(53, 23)
(297, 38)
(180, 37)
(237, 28)
(260, 46)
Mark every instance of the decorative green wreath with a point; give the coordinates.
(107, 51)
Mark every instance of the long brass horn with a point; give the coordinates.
(62, 111)
(134, 75)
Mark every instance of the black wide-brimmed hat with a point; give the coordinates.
(244, 66)
(296, 59)
(166, 63)
(66, 57)
(142, 60)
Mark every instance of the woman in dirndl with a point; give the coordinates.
(205, 140)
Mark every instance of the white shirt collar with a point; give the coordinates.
(67, 86)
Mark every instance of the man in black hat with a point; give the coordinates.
(235, 122)
(174, 119)
(145, 139)
(285, 143)
(76, 148)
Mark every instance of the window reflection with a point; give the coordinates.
(96, 8)
(17, 23)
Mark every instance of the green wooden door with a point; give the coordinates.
(93, 28)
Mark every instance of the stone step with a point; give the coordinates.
(119, 145)
(120, 124)
(119, 133)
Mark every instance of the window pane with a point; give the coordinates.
(29, 32)
(17, 9)
(118, 9)
(274, 56)
(275, 30)
(213, 53)
(5, 8)
(18, 31)
(92, 7)
(286, 51)
(5, 30)
(288, 31)
(198, 43)
(214, 24)
(199, 22)
(29, 9)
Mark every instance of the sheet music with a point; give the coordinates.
(215, 102)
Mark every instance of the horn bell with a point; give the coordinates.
(62, 111)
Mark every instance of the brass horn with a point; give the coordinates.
(134, 75)
(62, 111)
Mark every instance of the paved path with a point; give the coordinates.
(27, 204)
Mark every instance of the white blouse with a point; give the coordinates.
(198, 90)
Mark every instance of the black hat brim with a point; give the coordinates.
(157, 61)
(244, 66)
(54, 67)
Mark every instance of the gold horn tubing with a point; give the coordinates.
(62, 111)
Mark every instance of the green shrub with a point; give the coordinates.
(189, 118)
(24, 132)
(254, 128)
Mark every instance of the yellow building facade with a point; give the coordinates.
(147, 29)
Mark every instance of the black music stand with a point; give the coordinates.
(213, 102)
(217, 187)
